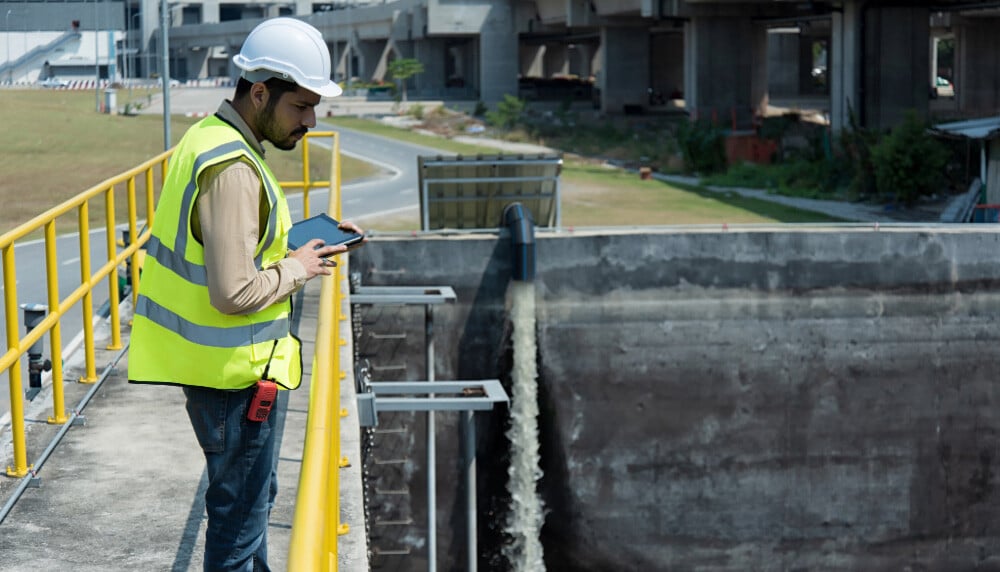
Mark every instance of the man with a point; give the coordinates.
(213, 309)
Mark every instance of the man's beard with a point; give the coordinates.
(270, 130)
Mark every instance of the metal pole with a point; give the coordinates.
(469, 450)
(431, 452)
(165, 71)
(97, 63)
(6, 31)
(136, 57)
(128, 39)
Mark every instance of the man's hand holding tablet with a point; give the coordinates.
(317, 238)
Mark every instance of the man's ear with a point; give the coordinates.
(259, 95)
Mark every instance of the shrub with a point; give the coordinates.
(508, 113)
(416, 111)
(702, 146)
(908, 162)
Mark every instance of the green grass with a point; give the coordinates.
(57, 146)
(595, 195)
(614, 197)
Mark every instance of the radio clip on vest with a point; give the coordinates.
(264, 395)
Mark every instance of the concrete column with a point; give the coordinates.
(234, 72)
(783, 64)
(431, 53)
(977, 84)
(845, 64)
(382, 65)
(993, 173)
(498, 61)
(303, 7)
(581, 59)
(555, 60)
(368, 55)
(532, 61)
(210, 12)
(725, 71)
(578, 13)
(895, 60)
(196, 63)
(339, 60)
(624, 76)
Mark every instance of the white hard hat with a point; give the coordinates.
(289, 49)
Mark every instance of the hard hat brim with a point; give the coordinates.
(329, 90)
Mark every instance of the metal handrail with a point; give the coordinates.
(17, 346)
(316, 525)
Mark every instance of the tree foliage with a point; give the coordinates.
(403, 69)
(909, 163)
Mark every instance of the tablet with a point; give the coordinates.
(324, 228)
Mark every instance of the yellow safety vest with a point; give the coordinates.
(178, 337)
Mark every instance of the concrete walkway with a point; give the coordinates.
(124, 492)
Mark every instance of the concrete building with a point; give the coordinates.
(714, 58)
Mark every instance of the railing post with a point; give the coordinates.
(113, 294)
(90, 376)
(305, 178)
(20, 467)
(34, 313)
(129, 237)
(55, 334)
(150, 200)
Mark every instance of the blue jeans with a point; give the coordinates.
(242, 483)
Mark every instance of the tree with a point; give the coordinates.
(403, 69)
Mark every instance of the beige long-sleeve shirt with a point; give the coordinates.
(227, 220)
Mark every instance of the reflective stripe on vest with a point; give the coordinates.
(215, 337)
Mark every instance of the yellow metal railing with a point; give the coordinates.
(57, 308)
(314, 545)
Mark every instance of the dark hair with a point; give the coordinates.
(275, 86)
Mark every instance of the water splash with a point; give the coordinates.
(524, 522)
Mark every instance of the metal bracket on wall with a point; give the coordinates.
(422, 295)
(479, 395)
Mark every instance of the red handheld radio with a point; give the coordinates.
(264, 395)
(263, 400)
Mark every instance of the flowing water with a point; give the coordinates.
(524, 522)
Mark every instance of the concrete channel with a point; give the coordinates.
(757, 398)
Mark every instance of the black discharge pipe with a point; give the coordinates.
(522, 241)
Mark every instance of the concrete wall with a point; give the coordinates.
(781, 399)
